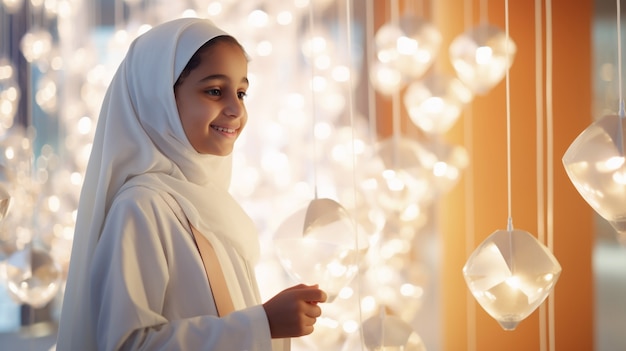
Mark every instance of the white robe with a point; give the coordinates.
(149, 287)
(136, 279)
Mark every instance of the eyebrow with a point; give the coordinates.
(222, 77)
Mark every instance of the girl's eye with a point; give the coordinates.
(242, 95)
(214, 92)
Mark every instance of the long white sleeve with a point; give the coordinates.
(149, 290)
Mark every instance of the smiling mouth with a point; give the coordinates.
(224, 130)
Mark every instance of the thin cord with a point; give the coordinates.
(395, 98)
(369, 46)
(539, 155)
(313, 104)
(469, 201)
(620, 141)
(508, 115)
(619, 59)
(354, 173)
(550, 164)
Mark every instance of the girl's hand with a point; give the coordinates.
(293, 311)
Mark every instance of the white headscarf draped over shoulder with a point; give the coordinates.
(140, 140)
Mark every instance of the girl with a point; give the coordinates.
(158, 172)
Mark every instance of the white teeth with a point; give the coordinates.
(226, 130)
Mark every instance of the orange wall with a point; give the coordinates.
(478, 205)
(573, 227)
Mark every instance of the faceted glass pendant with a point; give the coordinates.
(395, 178)
(510, 274)
(318, 245)
(436, 102)
(33, 277)
(418, 47)
(389, 333)
(479, 57)
(594, 163)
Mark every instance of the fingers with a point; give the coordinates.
(294, 311)
(310, 293)
(314, 312)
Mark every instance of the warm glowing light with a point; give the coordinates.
(341, 73)
(484, 55)
(264, 48)
(284, 18)
(407, 46)
(258, 18)
(611, 164)
(54, 203)
(214, 8)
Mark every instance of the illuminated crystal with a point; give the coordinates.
(510, 274)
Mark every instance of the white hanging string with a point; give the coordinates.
(369, 47)
(508, 116)
(312, 57)
(395, 98)
(550, 166)
(469, 200)
(620, 142)
(348, 13)
(619, 59)
(540, 153)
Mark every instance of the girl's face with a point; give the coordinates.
(210, 99)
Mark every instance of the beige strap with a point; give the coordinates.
(214, 273)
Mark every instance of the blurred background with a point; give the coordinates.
(369, 103)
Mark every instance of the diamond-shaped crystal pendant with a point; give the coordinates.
(594, 162)
(510, 274)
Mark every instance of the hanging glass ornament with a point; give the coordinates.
(435, 103)
(46, 93)
(318, 245)
(9, 93)
(32, 276)
(385, 78)
(418, 47)
(479, 57)
(446, 162)
(394, 178)
(410, 46)
(510, 274)
(36, 44)
(389, 333)
(594, 162)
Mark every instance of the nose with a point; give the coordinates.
(234, 107)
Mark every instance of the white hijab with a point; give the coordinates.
(139, 134)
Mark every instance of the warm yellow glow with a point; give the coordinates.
(258, 19)
(264, 48)
(484, 55)
(214, 8)
(284, 18)
(440, 169)
(610, 164)
(323, 130)
(341, 74)
(54, 204)
(346, 293)
(406, 45)
(322, 62)
(433, 105)
(319, 84)
(350, 326)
